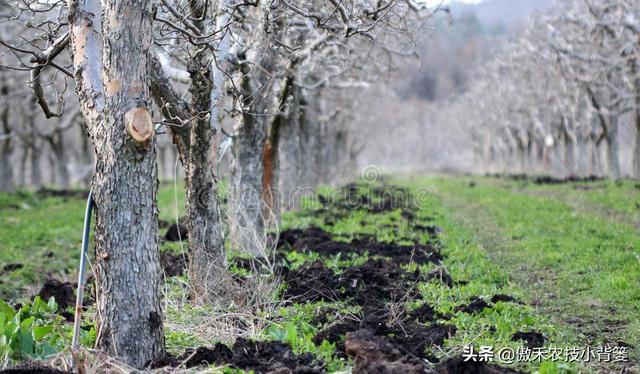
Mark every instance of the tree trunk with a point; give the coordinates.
(207, 257)
(24, 157)
(125, 182)
(636, 147)
(531, 156)
(6, 168)
(598, 163)
(247, 222)
(309, 144)
(52, 168)
(36, 157)
(7, 183)
(274, 156)
(523, 157)
(57, 146)
(583, 153)
(614, 148)
(570, 153)
(86, 156)
(247, 226)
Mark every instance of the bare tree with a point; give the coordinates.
(552, 99)
(109, 44)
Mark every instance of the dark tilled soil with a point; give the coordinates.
(424, 314)
(176, 233)
(33, 368)
(317, 240)
(8, 268)
(457, 365)
(379, 199)
(384, 337)
(376, 281)
(477, 305)
(441, 275)
(172, 264)
(571, 179)
(378, 287)
(376, 354)
(63, 292)
(262, 357)
(547, 179)
(75, 194)
(505, 299)
(533, 339)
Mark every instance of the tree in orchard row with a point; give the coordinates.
(117, 58)
(109, 44)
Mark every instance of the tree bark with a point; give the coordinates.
(614, 147)
(570, 146)
(6, 169)
(56, 142)
(247, 222)
(583, 150)
(193, 126)
(247, 226)
(35, 159)
(24, 157)
(273, 160)
(636, 148)
(114, 101)
(207, 257)
(7, 183)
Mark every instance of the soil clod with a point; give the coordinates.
(75, 194)
(458, 365)
(505, 299)
(173, 265)
(176, 233)
(62, 292)
(33, 369)
(477, 305)
(545, 179)
(319, 241)
(218, 355)
(8, 268)
(533, 339)
(375, 354)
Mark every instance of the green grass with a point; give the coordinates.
(44, 235)
(572, 255)
(619, 200)
(41, 234)
(582, 269)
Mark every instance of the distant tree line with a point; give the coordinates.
(564, 97)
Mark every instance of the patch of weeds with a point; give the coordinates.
(32, 331)
(297, 326)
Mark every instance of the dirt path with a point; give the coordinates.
(569, 300)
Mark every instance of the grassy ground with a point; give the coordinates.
(569, 252)
(43, 234)
(573, 248)
(467, 263)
